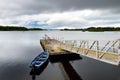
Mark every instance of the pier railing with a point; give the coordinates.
(103, 50)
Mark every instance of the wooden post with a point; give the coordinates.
(84, 46)
(119, 46)
(61, 44)
(79, 46)
(90, 47)
(66, 44)
(113, 49)
(87, 44)
(119, 51)
(72, 45)
(97, 49)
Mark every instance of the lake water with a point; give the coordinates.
(18, 48)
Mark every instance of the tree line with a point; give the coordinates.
(102, 29)
(17, 28)
(94, 29)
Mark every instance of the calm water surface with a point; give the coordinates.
(17, 49)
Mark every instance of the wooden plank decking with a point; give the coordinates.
(53, 47)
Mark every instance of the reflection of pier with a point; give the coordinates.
(67, 70)
(70, 71)
(102, 50)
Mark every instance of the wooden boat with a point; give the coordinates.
(39, 60)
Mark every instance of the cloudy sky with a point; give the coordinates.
(58, 14)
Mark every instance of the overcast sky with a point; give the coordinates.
(57, 14)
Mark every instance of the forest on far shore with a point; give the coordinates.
(91, 29)
(94, 29)
(17, 28)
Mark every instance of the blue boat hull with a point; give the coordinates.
(39, 60)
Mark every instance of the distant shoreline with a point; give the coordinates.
(94, 29)
(90, 29)
(15, 28)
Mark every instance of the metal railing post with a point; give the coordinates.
(97, 49)
(119, 51)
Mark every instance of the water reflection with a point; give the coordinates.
(38, 71)
(17, 49)
(72, 74)
(63, 60)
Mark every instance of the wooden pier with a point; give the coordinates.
(109, 52)
(53, 46)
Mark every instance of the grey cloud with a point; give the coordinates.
(27, 7)
(66, 5)
(18, 8)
